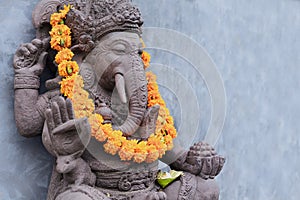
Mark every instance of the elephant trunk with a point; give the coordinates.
(135, 84)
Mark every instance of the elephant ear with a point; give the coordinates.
(42, 12)
(89, 76)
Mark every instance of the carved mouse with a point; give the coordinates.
(75, 170)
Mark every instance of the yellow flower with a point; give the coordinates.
(100, 136)
(111, 148)
(170, 130)
(139, 157)
(169, 141)
(127, 150)
(153, 154)
(60, 30)
(150, 77)
(146, 59)
(59, 42)
(69, 84)
(68, 68)
(141, 147)
(169, 120)
(106, 128)
(79, 95)
(65, 11)
(152, 86)
(64, 55)
(56, 18)
(95, 120)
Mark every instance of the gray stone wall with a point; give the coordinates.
(255, 46)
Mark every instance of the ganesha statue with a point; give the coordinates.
(82, 84)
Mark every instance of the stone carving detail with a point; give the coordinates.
(75, 170)
(106, 40)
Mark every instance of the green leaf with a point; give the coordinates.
(165, 178)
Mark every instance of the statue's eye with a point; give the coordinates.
(119, 49)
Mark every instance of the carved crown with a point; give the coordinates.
(89, 20)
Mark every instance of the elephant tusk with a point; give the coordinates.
(120, 84)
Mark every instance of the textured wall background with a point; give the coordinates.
(256, 47)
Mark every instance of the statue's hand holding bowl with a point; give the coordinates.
(204, 160)
(30, 58)
(68, 135)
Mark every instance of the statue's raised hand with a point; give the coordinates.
(30, 58)
(201, 160)
(68, 135)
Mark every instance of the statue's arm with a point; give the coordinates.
(29, 62)
(28, 116)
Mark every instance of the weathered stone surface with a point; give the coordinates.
(256, 49)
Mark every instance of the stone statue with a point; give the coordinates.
(107, 46)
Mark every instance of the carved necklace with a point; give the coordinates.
(72, 86)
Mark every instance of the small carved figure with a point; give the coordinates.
(75, 170)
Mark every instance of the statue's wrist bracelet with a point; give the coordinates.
(27, 81)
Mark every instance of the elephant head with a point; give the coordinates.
(117, 64)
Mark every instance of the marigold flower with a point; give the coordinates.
(111, 148)
(170, 130)
(139, 157)
(169, 141)
(64, 55)
(126, 155)
(80, 94)
(141, 147)
(153, 154)
(56, 18)
(65, 11)
(68, 68)
(67, 85)
(59, 42)
(95, 120)
(100, 136)
(150, 77)
(146, 59)
(80, 113)
(106, 128)
(152, 86)
(127, 151)
(60, 30)
(153, 95)
(170, 120)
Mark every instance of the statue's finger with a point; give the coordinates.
(206, 168)
(215, 167)
(49, 119)
(70, 109)
(31, 48)
(42, 59)
(24, 51)
(221, 164)
(56, 114)
(38, 43)
(63, 109)
(46, 43)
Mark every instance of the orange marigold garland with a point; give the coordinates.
(114, 141)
